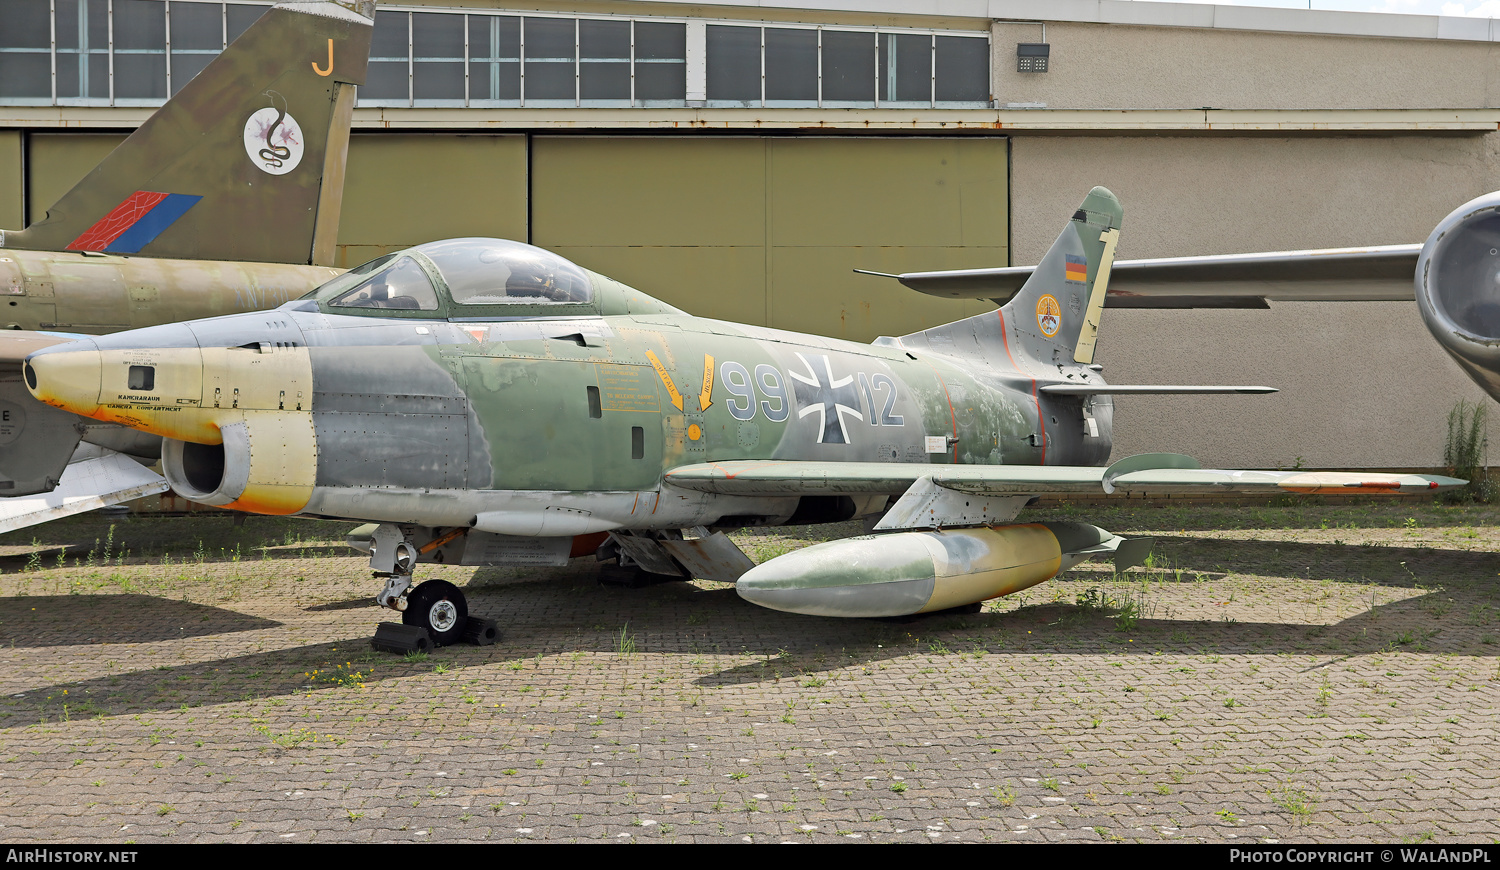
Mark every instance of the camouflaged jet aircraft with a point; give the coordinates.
(226, 199)
(486, 402)
(1455, 275)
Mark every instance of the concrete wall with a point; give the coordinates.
(1363, 384)
(1115, 66)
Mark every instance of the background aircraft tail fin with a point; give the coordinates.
(246, 162)
(1054, 317)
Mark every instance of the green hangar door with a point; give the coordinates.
(403, 190)
(769, 230)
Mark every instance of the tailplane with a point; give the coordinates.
(245, 163)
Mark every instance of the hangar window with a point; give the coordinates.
(660, 64)
(791, 66)
(445, 58)
(197, 31)
(848, 68)
(437, 59)
(125, 53)
(815, 66)
(25, 49)
(734, 72)
(140, 48)
(136, 52)
(604, 62)
(387, 81)
(494, 60)
(549, 74)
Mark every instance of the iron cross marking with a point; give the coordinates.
(818, 393)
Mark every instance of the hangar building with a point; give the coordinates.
(740, 159)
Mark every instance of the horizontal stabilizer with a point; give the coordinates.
(1376, 274)
(86, 485)
(1145, 390)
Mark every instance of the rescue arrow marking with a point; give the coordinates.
(666, 379)
(705, 398)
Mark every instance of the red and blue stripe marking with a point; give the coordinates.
(134, 223)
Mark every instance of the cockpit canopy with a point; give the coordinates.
(497, 272)
(463, 277)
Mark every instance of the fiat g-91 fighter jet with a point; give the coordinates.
(486, 402)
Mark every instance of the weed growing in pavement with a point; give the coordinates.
(625, 643)
(1294, 800)
(341, 675)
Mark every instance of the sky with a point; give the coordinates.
(1473, 8)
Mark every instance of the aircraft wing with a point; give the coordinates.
(1151, 474)
(96, 478)
(1374, 274)
(15, 344)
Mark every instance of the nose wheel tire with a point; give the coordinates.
(439, 607)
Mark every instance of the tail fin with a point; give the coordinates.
(246, 162)
(1055, 314)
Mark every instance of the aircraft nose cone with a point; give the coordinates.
(66, 376)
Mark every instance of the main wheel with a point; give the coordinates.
(439, 607)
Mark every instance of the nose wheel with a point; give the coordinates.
(434, 613)
(439, 607)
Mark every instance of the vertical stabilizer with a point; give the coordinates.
(245, 163)
(1055, 315)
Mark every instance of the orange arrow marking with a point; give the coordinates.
(666, 379)
(705, 398)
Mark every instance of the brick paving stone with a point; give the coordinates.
(1300, 675)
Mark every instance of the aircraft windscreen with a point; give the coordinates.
(351, 278)
(499, 272)
(400, 286)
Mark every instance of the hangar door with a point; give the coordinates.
(403, 190)
(768, 230)
(57, 161)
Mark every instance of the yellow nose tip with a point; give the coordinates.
(67, 379)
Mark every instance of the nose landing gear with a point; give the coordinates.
(435, 611)
(439, 607)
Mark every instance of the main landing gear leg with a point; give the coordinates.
(435, 611)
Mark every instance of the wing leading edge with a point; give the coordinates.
(1374, 274)
(1153, 474)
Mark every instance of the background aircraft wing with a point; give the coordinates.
(95, 478)
(1374, 274)
(49, 474)
(15, 344)
(1150, 474)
